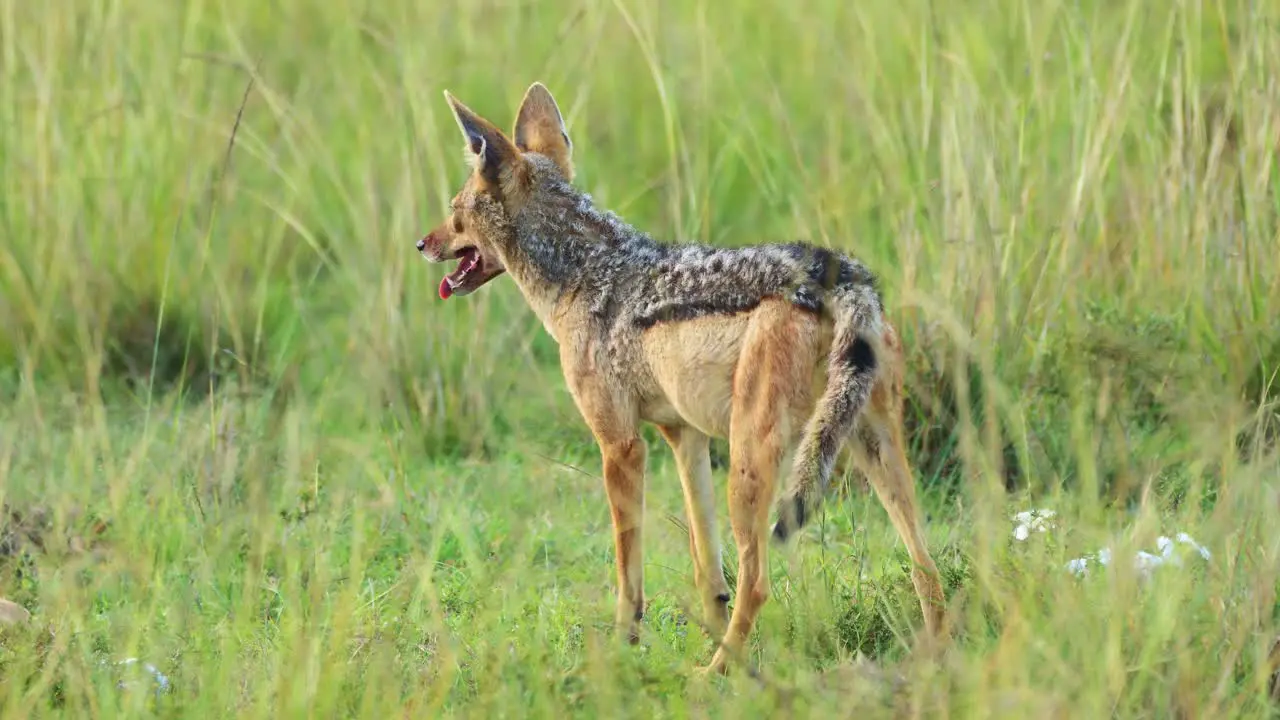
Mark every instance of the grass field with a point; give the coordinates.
(242, 440)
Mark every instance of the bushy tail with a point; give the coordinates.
(851, 373)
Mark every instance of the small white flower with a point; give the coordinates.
(1145, 562)
(1166, 551)
(1080, 565)
(1029, 520)
(1186, 539)
(161, 680)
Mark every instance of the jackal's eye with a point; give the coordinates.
(457, 225)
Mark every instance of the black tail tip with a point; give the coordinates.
(791, 518)
(781, 532)
(860, 357)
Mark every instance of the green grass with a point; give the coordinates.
(242, 440)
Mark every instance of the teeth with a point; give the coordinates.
(458, 276)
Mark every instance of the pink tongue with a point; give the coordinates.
(445, 290)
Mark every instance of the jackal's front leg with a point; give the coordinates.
(624, 483)
(613, 420)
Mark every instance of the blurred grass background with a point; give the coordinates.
(243, 440)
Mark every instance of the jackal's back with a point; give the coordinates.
(591, 254)
(695, 281)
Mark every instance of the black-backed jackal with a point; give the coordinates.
(783, 349)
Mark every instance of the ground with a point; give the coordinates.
(243, 443)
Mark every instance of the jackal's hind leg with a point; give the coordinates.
(772, 393)
(693, 462)
(879, 452)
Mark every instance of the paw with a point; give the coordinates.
(627, 633)
(708, 672)
(718, 667)
(628, 623)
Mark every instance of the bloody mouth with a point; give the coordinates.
(469, 262)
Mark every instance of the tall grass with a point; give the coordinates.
(242, 440)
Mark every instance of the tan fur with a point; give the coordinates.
(753, 377)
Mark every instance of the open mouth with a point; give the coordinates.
(472, 272)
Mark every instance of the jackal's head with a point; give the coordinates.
(505, 175)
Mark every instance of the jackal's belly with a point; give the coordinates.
(692, 364)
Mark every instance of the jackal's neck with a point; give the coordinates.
(562, 243)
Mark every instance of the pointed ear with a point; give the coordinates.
(494, 155)
(540, 128)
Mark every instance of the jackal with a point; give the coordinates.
(783, 349)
